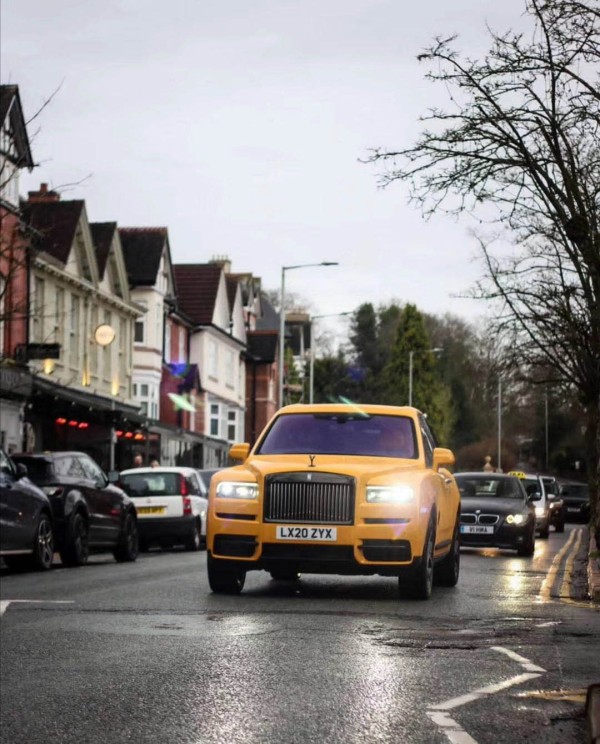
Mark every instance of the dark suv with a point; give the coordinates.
(90, 514)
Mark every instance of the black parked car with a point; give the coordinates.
(90, 514)
(26, 529)
(576, 498)
(496, 511)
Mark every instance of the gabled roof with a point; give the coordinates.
(143, 249)
(57, 222)
(269, 321)
(102, 235)
(232, 285)
(10, 106)
(197, 287)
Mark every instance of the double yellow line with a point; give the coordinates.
(571, 547)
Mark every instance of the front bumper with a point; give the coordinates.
(509, 537)
(360, 549)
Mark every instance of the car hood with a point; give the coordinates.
(492, 505)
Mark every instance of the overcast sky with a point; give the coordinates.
(240, 125)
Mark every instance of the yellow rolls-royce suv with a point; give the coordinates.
(337, 489)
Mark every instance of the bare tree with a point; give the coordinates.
(517, 148)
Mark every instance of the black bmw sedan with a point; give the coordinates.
(496, 512)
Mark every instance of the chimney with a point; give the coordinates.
(223, 261)
(43, 195)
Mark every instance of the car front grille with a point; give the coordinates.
(309, 498)
(479, 518)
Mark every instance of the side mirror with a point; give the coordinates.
(113, 476)
(239, 451)
(21, 470)
(442, 457)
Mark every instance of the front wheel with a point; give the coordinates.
(420, 583)
(43, 549)
(76, 550)
(128, 546)
(447, 570)
(560, 527)
(225, 577)
(528, 549)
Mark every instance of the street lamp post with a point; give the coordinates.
(280, 365)
(411, 353)
(312, 351)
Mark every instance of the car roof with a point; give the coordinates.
(481, 474)
(49, 454)
(167, 469)
(348, 408)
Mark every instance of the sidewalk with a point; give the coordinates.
(594, 570)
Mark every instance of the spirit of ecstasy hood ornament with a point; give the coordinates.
(311, 463)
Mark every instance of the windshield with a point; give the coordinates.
(150, 484)
(494, 487)
(341, 434)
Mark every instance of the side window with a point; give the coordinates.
(5, 464)
(193, 486)
(428, 441)
(69, 466)
(91, 470)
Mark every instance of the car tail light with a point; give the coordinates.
(187, 506)
(183, 486)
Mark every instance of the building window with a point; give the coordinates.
(38, 312)
(167, 350)
(232, 426)
(214, 419)
(106, 351)
(182, 354)
(122, 346)
(229, 368)
(3, 307)
(213, 359)
(74, 331)
(139, 333)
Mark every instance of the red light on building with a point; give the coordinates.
(139, 437)
(119, 433)
(61, 421)
(83, 425)
(128, 435)
(73, 423)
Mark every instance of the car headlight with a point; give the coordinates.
(515, 519)
(237, 490)
(401, 494)
(540, 511)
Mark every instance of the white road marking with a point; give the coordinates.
(525, 663)
(449, 727)
(546, 625)
(5, 602)
(553, 570)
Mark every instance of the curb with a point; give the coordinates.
(592, 712)
(593, 570)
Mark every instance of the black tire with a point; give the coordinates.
(528, 549)
(195, 540)
(128, 547)
(419, 583)
(224, 577)
(284, 574)
(76, 550)
(560, 527)
(545, 533)
(43, 549)
(447, 571)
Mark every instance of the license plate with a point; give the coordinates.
(316, 534)
(572, 509)
(151, 509)
(476, 529)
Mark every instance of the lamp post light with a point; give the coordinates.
(312, 350)
(280, 364)
(411, 353)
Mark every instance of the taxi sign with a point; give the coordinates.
(517, 473)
